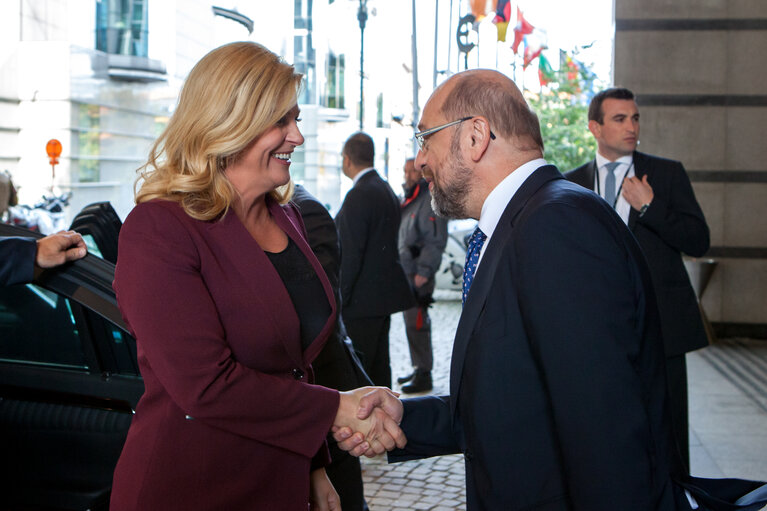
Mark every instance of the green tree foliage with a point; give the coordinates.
(564, 125)
(562, 106)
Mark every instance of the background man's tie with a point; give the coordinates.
(610, 183)
(472, 258)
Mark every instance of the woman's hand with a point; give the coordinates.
(323, 497)
(377, 423)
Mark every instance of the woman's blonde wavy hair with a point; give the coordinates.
(231, 96)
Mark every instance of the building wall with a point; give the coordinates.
(698, 70)
(55, 84)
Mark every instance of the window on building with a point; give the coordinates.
(121, 27)
(379, 111)
(334, 81)
(88, 143)
(303, 50)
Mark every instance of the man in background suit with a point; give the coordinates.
(19, 255)
(373, 283)
(422, 239)
(654, 198)
(336, 366)
(557, 384)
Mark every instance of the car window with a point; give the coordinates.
(37, 326)
(93, 246)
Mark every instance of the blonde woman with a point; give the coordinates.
(228, 306)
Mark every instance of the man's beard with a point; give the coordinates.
(450, 201)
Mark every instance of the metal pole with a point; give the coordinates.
(416, 109)
(362, 17)
(436, 32)
(449, 37)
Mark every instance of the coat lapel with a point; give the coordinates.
(295, 230)
(266, 286)
(484, 278)
(590, 177)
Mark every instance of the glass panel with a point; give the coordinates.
(37, 327)
(89, 145)
(298, 164)
(121, 27)
(341, 69)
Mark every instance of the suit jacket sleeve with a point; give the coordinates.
(353, 222)
(165, 301)
(427, 426)
(17, 260)
(579, 301)
(433, 230)
(676, 217)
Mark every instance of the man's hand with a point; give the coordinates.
(369, 426)
(59, 248)
(637, 192)
(419, 280)
(378, 404)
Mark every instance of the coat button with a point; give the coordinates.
(468, 455)
(298, 374)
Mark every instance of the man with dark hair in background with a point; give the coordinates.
(653, 196)
(422, 239)
(373, 283)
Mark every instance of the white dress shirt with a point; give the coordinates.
(496, 202)
(622, 171)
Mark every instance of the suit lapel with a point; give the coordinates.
(640, 169)
(484, 278)
(590, 178)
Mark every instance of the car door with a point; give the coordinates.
(99, 225)
(69, 382)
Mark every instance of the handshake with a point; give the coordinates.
(367, 421)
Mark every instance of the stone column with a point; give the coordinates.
(699, 69)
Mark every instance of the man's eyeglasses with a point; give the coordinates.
(421, 135)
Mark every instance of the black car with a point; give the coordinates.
(69, 378)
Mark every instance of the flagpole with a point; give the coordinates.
(416, 110)
(449, 36)
(436, 33)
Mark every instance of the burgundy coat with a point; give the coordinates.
(229, 419)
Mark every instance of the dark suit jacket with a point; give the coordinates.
(336, 366)
(373, 283)
(672, 225)
(229, 418)
(557, 387)
(17, 260)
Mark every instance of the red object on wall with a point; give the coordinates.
(53, 148)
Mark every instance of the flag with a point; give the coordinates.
(478, 9)
(571, 70)
(502, 16)
(535, 43)
(545, 73)
(521, 29)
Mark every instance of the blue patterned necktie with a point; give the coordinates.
(610, 182)
(472, 258)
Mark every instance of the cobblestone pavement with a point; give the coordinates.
(435, 484)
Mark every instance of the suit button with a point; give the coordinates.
(298, 374)
(468, 455)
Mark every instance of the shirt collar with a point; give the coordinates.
(361, 173)
(602, 161)
(496, 202)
